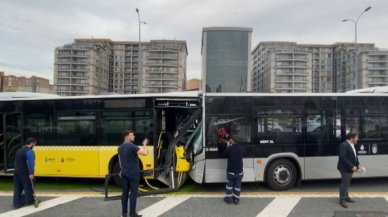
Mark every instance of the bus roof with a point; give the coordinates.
(297, 94)
(17, 96)
(381, 89)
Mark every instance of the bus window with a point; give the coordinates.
(237, 127)
(352, 124)
(114, 123)
(374, 127)
(77, 128)
(195, 139)
(280, 125)
(38, 121)
(220, 128)
(279, 129)
(39, 125)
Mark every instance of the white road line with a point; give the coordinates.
(163, 206)
(42, 206)
(280, 206)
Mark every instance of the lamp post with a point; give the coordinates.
(355, 22)
(140, 55)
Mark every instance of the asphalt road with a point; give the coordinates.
(313, 198)
(203, 205)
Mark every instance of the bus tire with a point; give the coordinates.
(116, 178)
(281, 175)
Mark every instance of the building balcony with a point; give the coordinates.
(162, 50)
(161, 79)
(291, 59)
(161, 72)
(72, 91)
(378, 61)
(161, 57)
(160, 86)
(377, 68)
(79, 63)
(377, 83)
(162, 64)
(73, 84)
(377, 76)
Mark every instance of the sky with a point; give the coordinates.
(31, 29)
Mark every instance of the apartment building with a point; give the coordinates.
(82, 68)
(278, 67)
(98, 66)
(291, 67)
(12, 83)
(164, 66)
(348, 65)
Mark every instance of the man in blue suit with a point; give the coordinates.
(347, 165)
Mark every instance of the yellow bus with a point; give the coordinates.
(79, 136)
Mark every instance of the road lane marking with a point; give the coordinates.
(42, 206)
(163, 206)
(280, 206)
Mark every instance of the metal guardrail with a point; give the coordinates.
(171, 188)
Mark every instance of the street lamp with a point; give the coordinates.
(140, 57)
(356, 81)
(355, 22)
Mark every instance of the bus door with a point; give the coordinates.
(322, 137)
(176, 120)
(11, 139)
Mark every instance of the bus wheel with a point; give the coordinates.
(116, 178)
(281, 175)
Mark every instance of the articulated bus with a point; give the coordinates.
(287, 137)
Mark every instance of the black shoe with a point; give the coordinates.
(136, 215)
(350, 200)
(124, 215)
(227, 201)
(343, 204)
(236, 202)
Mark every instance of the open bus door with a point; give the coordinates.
(177, 120)
(10, 139)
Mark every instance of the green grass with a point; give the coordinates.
(44, 184)
(62, 184)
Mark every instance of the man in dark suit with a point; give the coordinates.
(347, 165)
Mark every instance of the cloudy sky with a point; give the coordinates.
(31, 29)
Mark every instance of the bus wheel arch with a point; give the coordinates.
(282, 173)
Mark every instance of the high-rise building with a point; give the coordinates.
(164, 66)
(98, 66)
(348, 66)
(226, 59)
(292, 67)
(124, 67)
(280, 67)
(82, 68)
(373, 68)
(321, 67)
